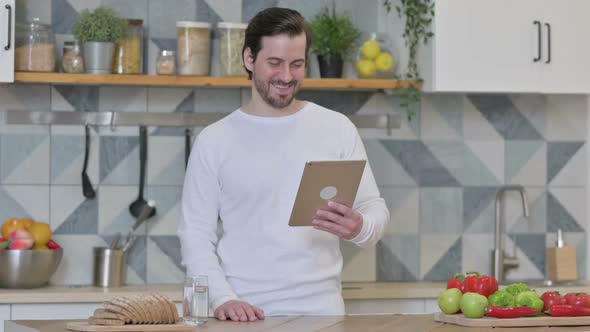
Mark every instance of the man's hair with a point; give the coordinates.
(274, 21)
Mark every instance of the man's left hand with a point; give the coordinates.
(339, 220)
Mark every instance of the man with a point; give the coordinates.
(245, 170)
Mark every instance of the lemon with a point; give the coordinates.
(384, 62)
(365, 68)
(370, 49)
(41, 232)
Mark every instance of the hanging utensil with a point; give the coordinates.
(87, 189)
(140, 203)
(187, 146)
(144, 215)
(115, 241)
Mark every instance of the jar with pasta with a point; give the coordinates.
(194, 44)
(231, 41)
(35, 47)
(129, 51)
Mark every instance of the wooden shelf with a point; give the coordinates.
(196, 81)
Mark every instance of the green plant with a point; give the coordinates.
(100, 25)
(418, 15)
(333, 34)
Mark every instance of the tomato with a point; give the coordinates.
(578, 299)
(551, 298)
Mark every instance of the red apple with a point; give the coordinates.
(21, 239)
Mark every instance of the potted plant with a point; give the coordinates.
(333, 36)
(99, 31)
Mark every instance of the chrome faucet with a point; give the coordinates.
(501, 261)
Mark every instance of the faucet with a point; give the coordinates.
(501, 261)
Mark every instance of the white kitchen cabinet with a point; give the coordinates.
(528, 46)
(4, 315)
(7, 40)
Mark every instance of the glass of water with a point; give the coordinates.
(195, 302)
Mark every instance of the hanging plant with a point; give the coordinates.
(418, 15)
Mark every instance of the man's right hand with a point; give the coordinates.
(238, 311)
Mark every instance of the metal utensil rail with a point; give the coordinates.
(117, 119)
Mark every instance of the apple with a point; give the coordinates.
(449, 301)
(21, 239)
(473, 305)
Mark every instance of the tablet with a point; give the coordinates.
(322, 181)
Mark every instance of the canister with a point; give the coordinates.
(194, 45)
(35, 47)
(129, 51)
(231, 42)
(110, 268)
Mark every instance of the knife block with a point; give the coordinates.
(562, 264)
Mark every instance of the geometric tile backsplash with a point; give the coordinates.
(439, 173)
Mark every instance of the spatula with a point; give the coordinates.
(87, 189)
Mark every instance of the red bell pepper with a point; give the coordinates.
(476, 283)
(568, 310)
(551, 298)
(512, 312)
(456, 282)
(578, 299)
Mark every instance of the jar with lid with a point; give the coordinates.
(35, 47)
(374, 58)
(129, 50)
(231, 41)
(194, 44)
(71, 60)
(166, 63)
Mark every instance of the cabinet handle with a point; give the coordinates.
(538, 24)
(548, 42)
(7, 47)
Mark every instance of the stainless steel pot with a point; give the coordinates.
(28, 268)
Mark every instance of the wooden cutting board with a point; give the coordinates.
(459, 319)
(85, 327)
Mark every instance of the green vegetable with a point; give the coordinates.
(517, 288)
(502, 298)
(529, 299)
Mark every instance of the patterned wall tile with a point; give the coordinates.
(119, 160)
(76, 269)
(163, 261)
(251, 7)
(168, 200)
(442, 117)
(63, 16)
(67, 155)
(533, 246)
(25, 97)
(440, 210)
(386, 169)
(525, 162)
(398, 258)
(343, 102)
(534, 108)
(478, 209)
(567, 118)
(450, 153)
(484, 163)
(476, 252)
(359, 264)
(420, 163)
(536, 223)
(505, 117)
(24, 159)
(166, 161)
(78, 98)
(566, 210)
(217, 100)
(26, 10)
(572, 154)
(440, 256)
(404, 209)
(20, 201)
(113, 207)
(71, 212)
(476, 126)
(528, 269)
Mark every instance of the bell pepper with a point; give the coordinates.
(581, 299)
(551, 298)
(456, 282)
(476, 283)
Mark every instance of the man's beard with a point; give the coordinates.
(279, 101)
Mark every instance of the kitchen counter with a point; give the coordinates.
(350, 291)
(389, 323)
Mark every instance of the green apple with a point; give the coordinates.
(449, 300)
(473, 305)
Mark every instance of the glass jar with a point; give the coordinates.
(166, 63)
(35, 47)
(129, 51)
(231, 41)
(374, 58)
(194, 44)
(71, 61)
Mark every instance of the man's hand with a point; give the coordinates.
(238, 311)
(339, 220)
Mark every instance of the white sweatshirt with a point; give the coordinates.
(245, 170)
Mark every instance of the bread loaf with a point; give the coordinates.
(149, 308)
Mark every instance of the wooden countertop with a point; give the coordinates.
(366, 323)
(350, 291)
